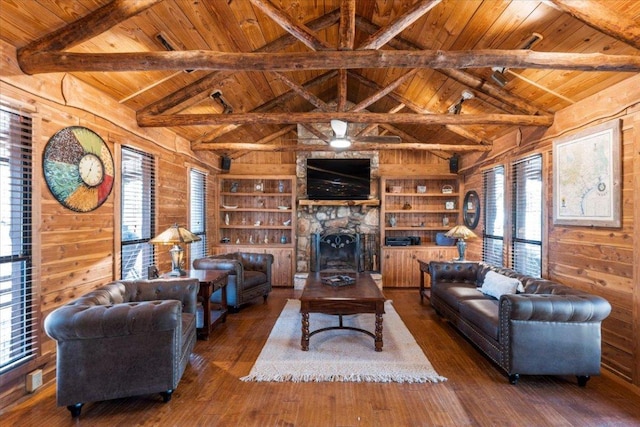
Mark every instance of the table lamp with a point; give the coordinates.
(461, 233)
(175, 235)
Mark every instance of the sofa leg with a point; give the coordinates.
(582, 380)
(513, 378)
(166, 395)
(75, 409)
(265, 298)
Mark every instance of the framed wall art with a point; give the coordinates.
(587, 177)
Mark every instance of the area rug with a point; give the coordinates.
(341, 355)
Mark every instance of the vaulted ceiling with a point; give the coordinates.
(245, 75)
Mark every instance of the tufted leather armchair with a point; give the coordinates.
(125, 338)
(249, 277)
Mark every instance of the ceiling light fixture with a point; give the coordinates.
(340, 143)
(498, 74)
(226, 107)
(457, 107)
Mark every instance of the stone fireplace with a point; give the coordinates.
(337, 235)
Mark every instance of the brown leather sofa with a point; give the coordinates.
(249, 276)
(126, 338)
(546, 329)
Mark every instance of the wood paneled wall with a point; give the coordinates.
(603, 261)
(77, 252)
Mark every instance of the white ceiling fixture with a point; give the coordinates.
(457, 107)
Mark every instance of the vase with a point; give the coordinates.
(393, 221)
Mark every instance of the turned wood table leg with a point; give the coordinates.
(304, 342)
(378, 332)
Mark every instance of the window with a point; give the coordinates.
(138, 213)
(18, 323)
(526, 196)
(198, 213)
(493, 235)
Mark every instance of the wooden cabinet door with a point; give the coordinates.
(283, 268)
(400, 268)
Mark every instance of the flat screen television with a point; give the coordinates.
(338, 179)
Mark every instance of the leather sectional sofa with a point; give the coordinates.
(544, 328)
(126, 338)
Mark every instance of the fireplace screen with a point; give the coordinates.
(342, 252)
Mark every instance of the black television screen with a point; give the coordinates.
(338, 179)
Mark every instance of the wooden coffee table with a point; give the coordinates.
(363, 296)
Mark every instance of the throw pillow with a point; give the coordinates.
(496, 285)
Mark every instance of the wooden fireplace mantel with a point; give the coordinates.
(370, 202)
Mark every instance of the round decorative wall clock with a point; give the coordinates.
(78, 168)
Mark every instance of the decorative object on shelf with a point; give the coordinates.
(283, 208)
(283, 239)
(421, 189)
(225, 240)
(259, 187)
(471, 209)
(266, 239)
(78, 168)
(445, 220)
(280, 186)
(257, 223)
(286, 223)
(447, 189)
(396, 189)
(175, 235)
(230, 206)
(226, 219)
(238, 241)
(406, 206)
(461, 232)
(234, 187)
(442, 240)
(251, 239)
(393, 221)
(449, 205)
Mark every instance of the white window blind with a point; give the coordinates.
(138, 213)
(493, 234)
(526, 242)
(198, 213)
(18, 321)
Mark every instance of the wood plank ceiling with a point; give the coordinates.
(258, 68)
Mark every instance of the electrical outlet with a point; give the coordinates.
(34, 380)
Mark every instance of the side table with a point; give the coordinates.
(424, 291)
(210, 282)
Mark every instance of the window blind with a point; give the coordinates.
(18, 320)
(526, 242)
(198, 213)
(493, 234)
(138, 213)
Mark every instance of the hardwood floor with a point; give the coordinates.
(476, 393)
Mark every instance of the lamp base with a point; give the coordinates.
(462, 247)
(177, 273)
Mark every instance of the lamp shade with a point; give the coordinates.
(174, 235)
(460, 232)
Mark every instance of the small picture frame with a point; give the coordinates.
(449, 205)
(259, 187)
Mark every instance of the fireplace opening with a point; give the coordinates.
(338, 251)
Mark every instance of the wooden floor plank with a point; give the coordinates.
(477, 393)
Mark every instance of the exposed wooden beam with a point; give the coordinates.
(347, 28)
(325, 117)
(278, 101)
(240, 146)
(299, 31)
(87, 27)
(304, 93)
(600, 17)
(415, 12)
(55, 62)
(505, 100)
(268, 138)
(383, 92)
(185, 97)
(459, 130)
(347, 34)
(374, 126)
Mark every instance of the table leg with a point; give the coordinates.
(304, 342)
(223, 302)
(378, 339)
(205, 296)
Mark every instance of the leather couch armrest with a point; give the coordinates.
(100, 321)
(554, 308)
(234, 266)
